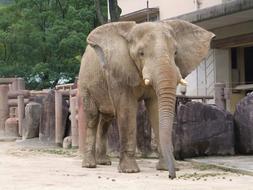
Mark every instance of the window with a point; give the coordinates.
(234, 58)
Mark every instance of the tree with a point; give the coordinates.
(100, 16)
(43, 40)
(115, 10)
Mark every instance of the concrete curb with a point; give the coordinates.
(9, 139)
(225, 168)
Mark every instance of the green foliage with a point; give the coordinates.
(43, 40)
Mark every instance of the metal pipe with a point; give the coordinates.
(58, 118)
(21, 113)
(4, 108)
(74, 127)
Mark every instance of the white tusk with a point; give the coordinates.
(147, 82)
(183, 82)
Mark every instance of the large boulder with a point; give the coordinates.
(244, 125)
(67, 142)
(31, 122)
(203, 130)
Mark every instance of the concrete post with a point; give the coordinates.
(219, 97)
(14, 85)
(81, 124)
(21, 83)
(4, 109)
(14, 102)
(21, 113)
(74, 127)
(7, 80)
(58, 118)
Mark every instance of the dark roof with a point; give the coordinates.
(217, 11)
(140, 15)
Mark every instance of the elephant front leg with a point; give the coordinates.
(126, 119)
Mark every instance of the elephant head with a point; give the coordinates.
(158, 54)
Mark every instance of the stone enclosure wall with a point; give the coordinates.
(199, 129)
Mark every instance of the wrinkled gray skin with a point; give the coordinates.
(119, 57)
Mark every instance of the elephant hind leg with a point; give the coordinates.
(92, 117)
(101, 146)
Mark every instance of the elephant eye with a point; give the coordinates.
(141, 53)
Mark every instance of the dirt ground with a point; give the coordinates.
(55, 169)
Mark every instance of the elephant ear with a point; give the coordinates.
(110, 44)
(193, 43)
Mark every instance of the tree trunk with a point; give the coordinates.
(114, 10)
(99, 12)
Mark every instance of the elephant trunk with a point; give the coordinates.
(165, 84)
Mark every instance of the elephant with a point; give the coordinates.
(125, 62)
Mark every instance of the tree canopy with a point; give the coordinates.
(43, 40)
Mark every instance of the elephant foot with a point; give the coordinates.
(104, 160)
(161, 165)
(172, 176)
(89, 161)
(128, 164)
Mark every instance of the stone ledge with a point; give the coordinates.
(235, 164)
(9, 139)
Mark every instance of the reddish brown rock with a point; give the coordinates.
(32, 120)
(11, 127)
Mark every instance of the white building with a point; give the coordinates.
(167, 8)
(230, 60)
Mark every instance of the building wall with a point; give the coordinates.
(225, 73)
(223, 69)
(206, 75)
(168, 8)
(201, 81)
